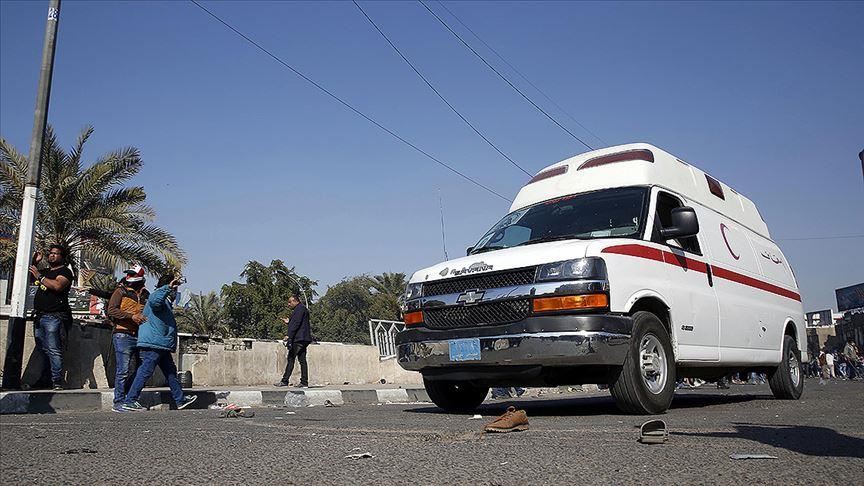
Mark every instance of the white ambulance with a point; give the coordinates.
(625, 266)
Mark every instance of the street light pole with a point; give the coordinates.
(21, 279)
(861, 156)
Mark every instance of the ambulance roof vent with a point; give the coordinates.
(626, 156)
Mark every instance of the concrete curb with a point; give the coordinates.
(24, 402)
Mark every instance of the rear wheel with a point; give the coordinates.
(786, 380)
(646, 382)
(455, 396)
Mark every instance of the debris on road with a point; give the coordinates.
(476, 417)
(290, 413)
(233, 411)
(82, 450)
(361, 455)
(653, 432)
(751, 456)
(328, 403)
(510, 421)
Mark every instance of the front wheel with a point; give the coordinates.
(785, 380)
(455, 396)
(646, 382)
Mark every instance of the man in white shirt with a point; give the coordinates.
(829, 361)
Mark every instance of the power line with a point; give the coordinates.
(499, 56)
(535, 105)
(839, 237)
(428, 83)
(346, 104)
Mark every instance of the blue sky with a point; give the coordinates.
(243, 160)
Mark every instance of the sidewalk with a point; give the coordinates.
(48, 401)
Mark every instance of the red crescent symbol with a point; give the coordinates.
(723, 229)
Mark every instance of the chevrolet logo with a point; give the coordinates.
(471, 297)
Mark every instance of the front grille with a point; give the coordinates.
(477, 315)
(484, 281)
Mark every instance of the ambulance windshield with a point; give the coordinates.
(610, 213)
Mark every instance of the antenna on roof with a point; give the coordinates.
(441, 210)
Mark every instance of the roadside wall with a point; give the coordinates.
(89, 362)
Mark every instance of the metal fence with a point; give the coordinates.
(383, 335)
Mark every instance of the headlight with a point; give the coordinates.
(591, 268)
(413, 291)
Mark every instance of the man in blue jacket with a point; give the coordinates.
(157, 339)
(299, 337)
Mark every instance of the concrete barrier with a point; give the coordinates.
(88, 361)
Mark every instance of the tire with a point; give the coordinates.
(648, 389)
(455, 396)
(786, 380)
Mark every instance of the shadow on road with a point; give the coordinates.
(803, 439)
(590, 406)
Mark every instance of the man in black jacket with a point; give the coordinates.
(298, 338)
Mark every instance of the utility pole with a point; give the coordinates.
(21, 278)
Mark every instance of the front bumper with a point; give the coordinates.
(545, 341)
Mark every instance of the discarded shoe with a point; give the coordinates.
(511, 421)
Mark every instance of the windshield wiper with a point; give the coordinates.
(487, 248)
(544, 239)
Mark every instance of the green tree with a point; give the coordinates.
(85, 207)
(343, 313)
(203, 315)
(253, 308)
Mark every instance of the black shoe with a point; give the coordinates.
(57, 387)
(303, 385)
(281, 383)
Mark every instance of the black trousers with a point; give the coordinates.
(298, 350)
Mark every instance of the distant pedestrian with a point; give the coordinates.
(298, 338)
(53, 313)
(829, 365)
(125, 310)
(157, 339)
(850, 352)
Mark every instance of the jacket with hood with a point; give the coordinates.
(159, 331)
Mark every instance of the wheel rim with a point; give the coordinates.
(652, 357)
(794, 368)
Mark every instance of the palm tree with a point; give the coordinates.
(203, 315)
(87, 209)
(390, 284)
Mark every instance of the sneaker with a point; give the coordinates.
(134, 407)
(187, 400)
(57, 387)
(281, 383)
(512, 420)
(302, 385)
(118, 407)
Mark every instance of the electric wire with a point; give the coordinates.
(438, 93)
(346, 104)
(499, 56)
(490, 66)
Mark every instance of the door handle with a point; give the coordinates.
(710, 277)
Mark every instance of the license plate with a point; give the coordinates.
(465, 349)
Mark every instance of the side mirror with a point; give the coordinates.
(684, 224)
(469, 250)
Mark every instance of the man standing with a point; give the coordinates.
(829, 365)
(298, 338)
(850, 352)
(125, 309)
(157, 339)
(52, 311)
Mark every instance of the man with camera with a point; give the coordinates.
(298, 338)
(157, 339)
(53, 313)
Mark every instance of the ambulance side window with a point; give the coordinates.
(663, 218)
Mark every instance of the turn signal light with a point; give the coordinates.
(413, 318)
(571, 302)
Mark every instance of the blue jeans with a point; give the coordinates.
(48, 333)
(150, 358)
(125, 354)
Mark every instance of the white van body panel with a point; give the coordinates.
(729, 305)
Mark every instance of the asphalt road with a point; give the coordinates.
(817, 440)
